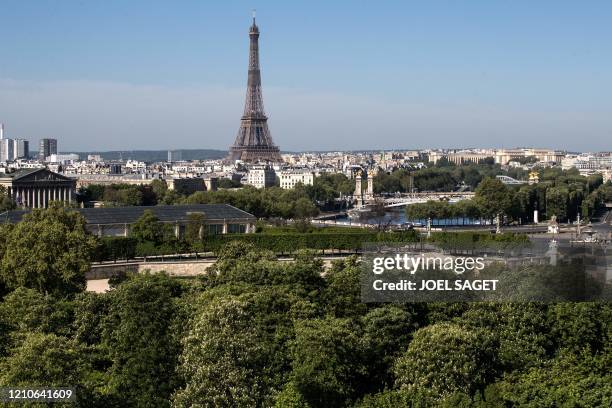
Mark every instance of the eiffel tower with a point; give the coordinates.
(253, 142)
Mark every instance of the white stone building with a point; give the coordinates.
(261, 176)
(289, 178)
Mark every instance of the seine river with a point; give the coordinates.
(398, 217)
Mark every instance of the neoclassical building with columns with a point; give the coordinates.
(36, 188)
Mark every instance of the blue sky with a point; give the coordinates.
(336, 74)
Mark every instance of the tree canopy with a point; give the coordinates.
(49, 251)
(259, 332)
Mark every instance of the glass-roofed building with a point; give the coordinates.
(116, 221)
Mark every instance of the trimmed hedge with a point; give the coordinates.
(290, 242)
(148, 248)
(476, 240)
(114, 248)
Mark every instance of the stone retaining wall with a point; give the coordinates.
(178, 268)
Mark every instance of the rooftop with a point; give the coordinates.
(20, 173)
(165, 213)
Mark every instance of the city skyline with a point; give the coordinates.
(387, 77)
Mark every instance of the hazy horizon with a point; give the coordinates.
(341, 76)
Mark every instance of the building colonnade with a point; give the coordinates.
(218, 227)
(40, 196)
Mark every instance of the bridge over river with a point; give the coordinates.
(415, 198)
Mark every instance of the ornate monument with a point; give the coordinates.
(370, 189)
(358, 194)
(253, 142)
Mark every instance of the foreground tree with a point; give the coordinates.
(520, 328)
(141, 335)
(50, 361)
(50, 251)
(580, 326)
(446, 358)
(25, 311)
(290, 397)
(566, 381)
(386, 334)
(341, 296)
(235, 354)
(328, 367)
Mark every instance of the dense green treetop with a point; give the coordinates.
(142, 336)
(447, 358)
(50, 251)
(258, 332)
